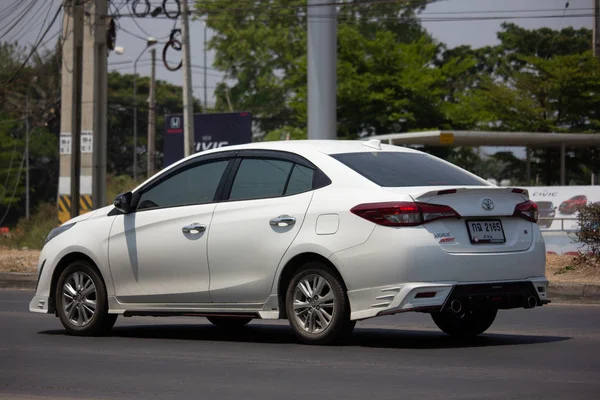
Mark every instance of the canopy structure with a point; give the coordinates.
(482, 138)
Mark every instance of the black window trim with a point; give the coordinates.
(194, 162)
(320, 180)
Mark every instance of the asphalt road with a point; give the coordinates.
(546, 353)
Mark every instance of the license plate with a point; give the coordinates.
(486, 232)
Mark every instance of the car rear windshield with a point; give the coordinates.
(398, 169)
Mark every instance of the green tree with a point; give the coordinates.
(120, 119)
(262, 48)
(536, 81)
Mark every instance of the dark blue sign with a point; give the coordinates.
(211, 131)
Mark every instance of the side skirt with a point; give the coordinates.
(239, 310)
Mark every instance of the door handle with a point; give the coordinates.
(283, 220)
(194, 229)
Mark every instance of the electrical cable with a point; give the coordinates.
(16, 184)
(171, 14)
(12, 156)
(31, 23)
(134, 5)
(18, 20)
(176, 45)
(33, 50)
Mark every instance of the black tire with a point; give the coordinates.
(466, 325)
(339, 324)
(229, 322)
(101, 321)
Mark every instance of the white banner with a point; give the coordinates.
(557, 204)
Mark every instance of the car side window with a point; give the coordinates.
(300, 181)
(260, 178)
(194, 185)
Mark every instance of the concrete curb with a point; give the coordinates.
(575, 292)
(17, 280)
(569, 292)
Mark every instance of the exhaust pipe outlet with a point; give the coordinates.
(531, 302)
(456, 306)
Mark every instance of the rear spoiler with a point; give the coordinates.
(489, 190)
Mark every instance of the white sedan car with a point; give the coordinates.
(322, 233)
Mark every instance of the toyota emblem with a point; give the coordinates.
(487, 204)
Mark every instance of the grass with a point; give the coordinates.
(565, 269)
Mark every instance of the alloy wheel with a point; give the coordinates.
(313, 303)
(79, 298)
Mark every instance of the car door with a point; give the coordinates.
(264, 207)
(157, 253)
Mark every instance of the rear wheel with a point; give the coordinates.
(468, 324)
(229, 322)
(317, 306)
(81, 302)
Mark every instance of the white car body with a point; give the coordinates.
(235, 266)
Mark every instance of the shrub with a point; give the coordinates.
(32, 233)
(119, 184)
(588, 233)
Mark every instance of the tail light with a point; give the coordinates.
(527, 210)
(403, 213)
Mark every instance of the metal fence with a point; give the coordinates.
(541, 221)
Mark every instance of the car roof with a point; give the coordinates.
(322, 146)
(305, 148)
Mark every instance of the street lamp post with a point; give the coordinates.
(149, 43)
(205, 96)
(27, 135)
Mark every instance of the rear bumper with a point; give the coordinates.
(437, 296)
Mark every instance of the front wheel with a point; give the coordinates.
(317, 306)
(81, 302)
(468, 324)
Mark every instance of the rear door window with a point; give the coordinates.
(260, 178)
(400, 169)
(300, 181)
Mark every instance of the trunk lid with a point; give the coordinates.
(486, 218)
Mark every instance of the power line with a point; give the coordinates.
(18, 20)
(31, 23)
(15, 187)
(34, 49)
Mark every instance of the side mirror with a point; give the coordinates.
(123, 202)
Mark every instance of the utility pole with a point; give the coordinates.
(77, 83)
(596, 34)
(205, 88)
(188, 105)
(150, 41)
(27, 154)
(27, 135)
(100, 105)
(152, 116)
(322, 74)
(596, 45)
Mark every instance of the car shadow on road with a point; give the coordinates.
(361, 337)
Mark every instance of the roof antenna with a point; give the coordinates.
(373, 143)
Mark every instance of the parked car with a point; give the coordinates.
(569, 207)
(322, 233)
(546, 213)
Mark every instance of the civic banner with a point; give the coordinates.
(211, 131)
